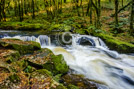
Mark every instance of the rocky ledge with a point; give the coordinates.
(24, 65)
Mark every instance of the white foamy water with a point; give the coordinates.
(96, 61)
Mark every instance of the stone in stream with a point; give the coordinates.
(24, 47)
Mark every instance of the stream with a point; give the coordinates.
(87, 55)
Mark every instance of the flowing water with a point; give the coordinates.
(91, 57)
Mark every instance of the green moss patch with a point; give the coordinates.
(21, 46)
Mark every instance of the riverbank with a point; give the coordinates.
(40, 68)
(119, 42)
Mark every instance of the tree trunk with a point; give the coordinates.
(132, 19)
(116, 13)
(33, 16)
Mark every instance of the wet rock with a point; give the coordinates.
(115, 44)
(70, 86)
(15, 81)
(42, 79)
(47, 60)
(4, 67)
(23, 47)
(19, 66)
(78, 81)
(56, 65)
(39, 58)
(7, 55)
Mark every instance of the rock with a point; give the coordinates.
(19, 66)
(15, 81)
(78, 81)
(42, 79)
(70, 86)
(38, 58)
(7, 55)
(23, 47)
(56, 65)
(115, 44)
(4, 67)
(47, 60)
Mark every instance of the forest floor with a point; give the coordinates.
(69, 17)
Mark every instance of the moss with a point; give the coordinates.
(29, 69)
(59, 27)
(56, 65)
(115, 44)
(14, 78)
(7, 55)
(22, 47)
(14, 81)
(70, 86)
(13, 57)
(25, 25)
(57, 77)
(44, 71)
(72, 80)
(19, 66)
(60, 87)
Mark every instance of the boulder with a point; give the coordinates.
(42, 79)
(79, 81)
(7, 55)
(23, 47)
(15, 81)
(56, 65)
(45, 59)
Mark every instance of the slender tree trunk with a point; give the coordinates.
(116, 13)
(82, 8)
(77, 7)
(0, 11)
(90, 14)
(33, 16)
(65, 1)
(3, 10)
(15, 8)
(122, 3)
(20, 11)
(98, 14)
(25, 6)
(132, 19)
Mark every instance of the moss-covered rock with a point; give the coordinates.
(4, 67)
(7, 55)
(15, 81)
(56, 65)
(42, 79)
(70, 86)
(60, 87)
(38, 58)
(19, 66)
(115, 44)
(79, 81)
(21, 46)
(47, 60)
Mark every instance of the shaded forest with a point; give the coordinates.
(114, 16)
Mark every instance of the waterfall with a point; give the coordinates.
(90, 56)
(44, 40)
